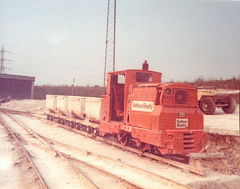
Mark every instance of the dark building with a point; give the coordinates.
(16, 86)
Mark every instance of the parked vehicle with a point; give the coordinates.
(210, 98)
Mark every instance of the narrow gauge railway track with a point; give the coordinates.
(180, 162)
(87, 182)
(66, 156)
(40, 182)
(166, 182)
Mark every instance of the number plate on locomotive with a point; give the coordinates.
(181, 123)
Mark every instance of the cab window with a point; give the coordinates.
(143, 77)
(181, 97)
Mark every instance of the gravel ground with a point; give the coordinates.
(221, 123)
(216, 143)
(10, 175)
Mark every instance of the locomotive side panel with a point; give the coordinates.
(142, 108)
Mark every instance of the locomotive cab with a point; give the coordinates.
(119, 84)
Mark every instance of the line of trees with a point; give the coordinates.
(40, 92)
(96, 91)
(232, 83)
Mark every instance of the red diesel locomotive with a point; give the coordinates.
(161, 117)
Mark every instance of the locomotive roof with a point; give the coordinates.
(132, 70)
(176, 84)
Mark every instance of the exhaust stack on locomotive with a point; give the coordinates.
(162, 117)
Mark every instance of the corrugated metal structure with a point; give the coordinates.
(16, 86)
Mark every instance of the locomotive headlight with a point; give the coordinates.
(181, 114)
(168, 91)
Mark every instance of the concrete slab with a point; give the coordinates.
(222, 124)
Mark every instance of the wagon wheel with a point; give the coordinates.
(89, 129)
(72, 124)
(96, 131)
(77, 126)
(66, 122)
(143, 147)
(50, 118)
(153, 149)
(123, 138)
(207, 105)
(59, 120)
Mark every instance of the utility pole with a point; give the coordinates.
(110, 39)
(73, 85)
(2, 60)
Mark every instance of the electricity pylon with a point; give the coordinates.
(2, 60)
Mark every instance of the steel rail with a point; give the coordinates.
(123, 164)
(166, 181)
(83, 177)
(131, 185)
(39, 178)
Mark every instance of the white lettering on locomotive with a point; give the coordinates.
(181, 123)
(144, 106)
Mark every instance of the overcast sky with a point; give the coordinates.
(58, 40)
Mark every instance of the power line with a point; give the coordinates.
(2, 60)
(110, 39)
